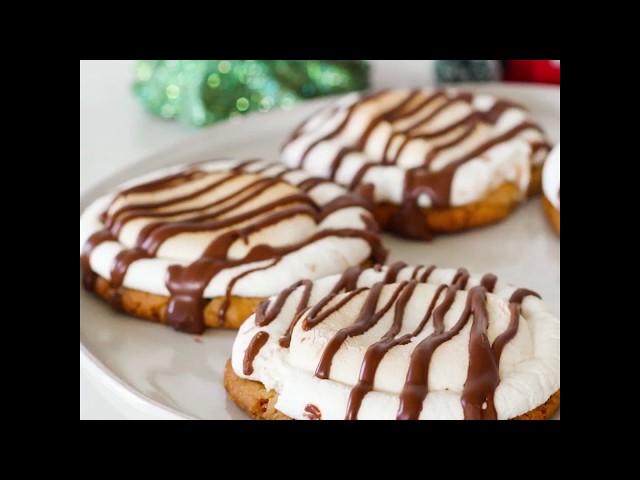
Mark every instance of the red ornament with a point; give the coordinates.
(540, 71)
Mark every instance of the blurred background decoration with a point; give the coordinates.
(201, 92)
(538, 71)
(449, 71)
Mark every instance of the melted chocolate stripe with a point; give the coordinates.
(260, 185)
(362, 171)
(470, 121)
(427, 273)
(427, 315)
(285, 340)
(394, 135)
(520, 294)
(437, 185)
(153, 238)
(393, 271)
(508, 135)
(414, 274)
(450, 144)
(264, 318)
(482, 373)
(347, 282)
(417, 381)
(463, 97)
(439, 182)
(505, 337)
(376, 352)
(316, 315)
(364, 138)
(337, 160)
(242, 166)
(162, 183)
(127, 213)
(118, 271)
(311, 183)
(187, 284)
(88, 275)
(226, 302)
(255, 345)
(491, 116)
(312, 412)
(338, 130)
(461, 278)
(367, 318)
(334, 133)
(484, 359)
(488, 281)
(426, 102)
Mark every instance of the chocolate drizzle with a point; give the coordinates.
(489, 282)
(477, 397)
(341, 126)
(461, 278)
(416, 384)
(393, 271)
(426, 274)
(119, 270)
(347, 282)
(410, 119)
(88, 275)
(222, 311)
(482, 374)
(376, 352)
(256, 343)
(264, 318)
(515, 302)
(368, 317)
(227, 213)
(312, 412)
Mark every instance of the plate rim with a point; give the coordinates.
(96, 371)
(99, 373)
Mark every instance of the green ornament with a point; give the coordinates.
(201, 92)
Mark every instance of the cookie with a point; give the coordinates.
(398, 342)
(201, 245)
(154, 307)
(551, 188)
(429, 160)
(259, 403)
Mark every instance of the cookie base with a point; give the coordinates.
(154, 307)
(259, 403)
(553, 214)
(493, 208)
(148, 306)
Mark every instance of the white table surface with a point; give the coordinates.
(115, 131)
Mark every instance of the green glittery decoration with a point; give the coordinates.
(201, 92)
(449, 71)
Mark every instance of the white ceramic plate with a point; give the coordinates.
(150, 371)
